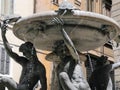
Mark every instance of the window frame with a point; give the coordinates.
(6, 7)
(90, 5)
(78, 3)
(55, 2)
(5, 61)
(106, 7)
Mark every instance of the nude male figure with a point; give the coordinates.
(100, 78)
(32, 69)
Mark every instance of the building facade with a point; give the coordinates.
(116, 16)
(25, 8)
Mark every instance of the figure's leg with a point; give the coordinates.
(8, 82)
(43, 81)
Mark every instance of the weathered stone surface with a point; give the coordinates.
(84, 28)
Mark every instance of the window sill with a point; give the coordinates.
(55, 3)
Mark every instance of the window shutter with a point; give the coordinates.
(55, 2)
(7, 64)
(78, 2)
(4, 61)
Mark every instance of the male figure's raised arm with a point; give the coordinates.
(67, 39)
(15, 56)
(70, 45)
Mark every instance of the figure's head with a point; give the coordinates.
(103, 60)
(27, 49)
(60, 49)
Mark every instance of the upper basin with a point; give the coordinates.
(87, 30)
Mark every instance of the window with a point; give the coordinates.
(90, 5)
(117, 79)
(107, 4)
(4, 65)
(117, 83)
(78, 2)
(55, 2)
(6, 7)
(4, 62)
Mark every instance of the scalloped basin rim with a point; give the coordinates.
(84, 28)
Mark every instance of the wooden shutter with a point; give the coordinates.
(4, 61)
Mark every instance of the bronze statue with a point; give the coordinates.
(100, 78)
(32, 69)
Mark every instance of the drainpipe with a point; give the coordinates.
(34, 6)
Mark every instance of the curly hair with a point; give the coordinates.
(102, 60)
(59, 47)
(27, 45)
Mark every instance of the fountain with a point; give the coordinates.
(87, 30)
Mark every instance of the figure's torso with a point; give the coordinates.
(30, 74)
(78, 79)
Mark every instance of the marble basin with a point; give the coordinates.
(86, 29)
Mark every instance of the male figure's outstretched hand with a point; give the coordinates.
(7, 20)
(3, 27)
